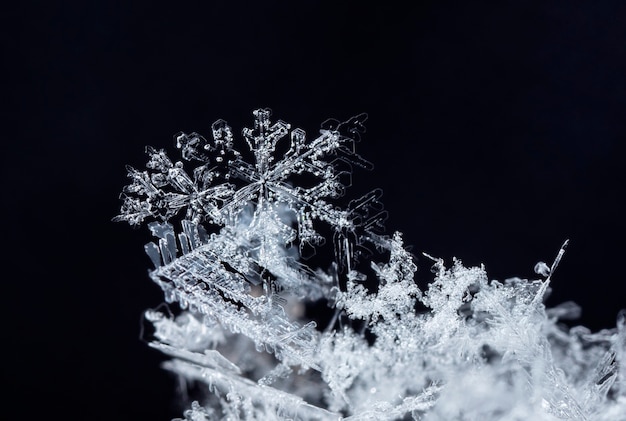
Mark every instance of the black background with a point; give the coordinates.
(497, 131)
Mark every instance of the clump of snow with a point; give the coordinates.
(231, 249)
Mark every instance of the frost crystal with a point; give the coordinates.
(233, 248)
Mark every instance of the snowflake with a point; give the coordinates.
(225, 184)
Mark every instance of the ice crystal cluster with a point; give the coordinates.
(241, 254)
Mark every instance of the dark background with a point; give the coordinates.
(497, 131)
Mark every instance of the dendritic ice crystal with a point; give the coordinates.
(265, 324)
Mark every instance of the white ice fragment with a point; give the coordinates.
(568, 310)
(541, 268)
(196, 413)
